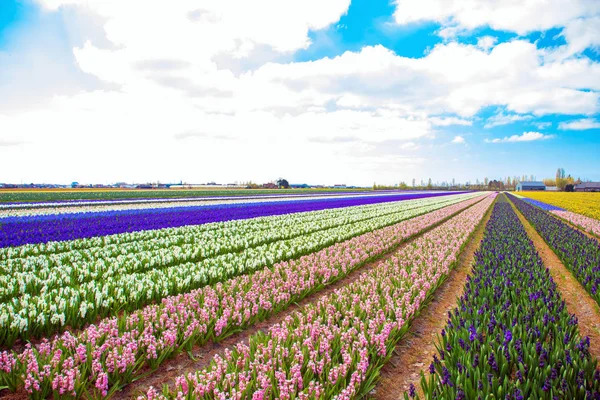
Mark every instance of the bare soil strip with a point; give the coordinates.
(203, 355)
(578, 301)
(415, 351)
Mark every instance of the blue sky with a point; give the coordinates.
(368, 91)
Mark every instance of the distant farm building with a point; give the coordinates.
(523, 186)
(299, 186)
(552, 188)
(588, 187)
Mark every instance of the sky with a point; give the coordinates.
(337, 92)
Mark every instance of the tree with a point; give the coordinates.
(283, 183)
(561, 181)
(495, 185)
(429, 185)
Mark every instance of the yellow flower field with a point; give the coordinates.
(581, 202)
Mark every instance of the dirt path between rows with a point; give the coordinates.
(578, 301)
(184, 364)
(415, 351)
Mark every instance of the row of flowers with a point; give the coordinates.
(579, 253)
(205, 196)
(44, 228)
(105, 356)
(93, 195)
(48, 270)
(22, 210)
(45, 312)
(541, 204)
(587, 204)
(335, 347)
(511, 335)
(113, 244)
(590, 225)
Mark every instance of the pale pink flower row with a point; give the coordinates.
(113, 352)
(588, 224)
(332, 347)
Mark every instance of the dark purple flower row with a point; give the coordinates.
(45, 228)
(511, 336)
(577, 251)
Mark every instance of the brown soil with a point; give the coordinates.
(578, 301)
(184, 364)
(415, 351)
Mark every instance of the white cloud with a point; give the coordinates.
(510, 15)
(525, 137)
(452, 78)
(232, 26)
(37, 62)
(447, 121)
(486, 42)
(579, 18)
(581, 34)
(458, 139)
(410, 146)
(542, 125)
(502, 118)
(580, 125)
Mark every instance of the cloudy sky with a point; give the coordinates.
(334, 91)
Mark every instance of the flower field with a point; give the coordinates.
(336, 346)
(48, 290)
(16, 231)
(95, 301)
(94, 206)
(511, 336)
(590, 225)
(14, 196)
(587, 224)
(587, 204)
(578, 252)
